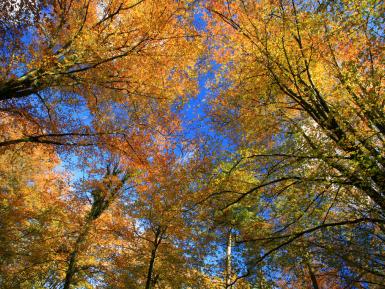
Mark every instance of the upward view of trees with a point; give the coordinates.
(192, 144)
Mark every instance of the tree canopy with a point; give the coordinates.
(163, 144)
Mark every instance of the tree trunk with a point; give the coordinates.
(158, 233)
(312, 276)
(71, 269)
(21, 87)
(151, 269)
(228, 284)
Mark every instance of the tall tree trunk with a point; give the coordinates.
(228, 284)
(71, 269)
(99, 205)
(24, 86)
(158, 235)
(312, 276)
(151, 269)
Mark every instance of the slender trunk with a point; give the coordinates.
(151, 269)
(99, 205)
(312, 276)
(228, 284)
(158, 236)
(71, 269)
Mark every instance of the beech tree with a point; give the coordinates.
(104, 183)
(163, 241)
(315, 69)
(34, 217)
(301, 95)
(104, 193)
(75, 68)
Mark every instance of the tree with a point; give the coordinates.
(164, 245)
(100, 77)
(286, 50)
(103, 185)
(301, 95)
(83, 71)
(104, 193)
(34, 216)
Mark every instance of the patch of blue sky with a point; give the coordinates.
(196, 121)
(199, 22)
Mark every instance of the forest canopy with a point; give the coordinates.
(192, 144)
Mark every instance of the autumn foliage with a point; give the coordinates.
(163, 144)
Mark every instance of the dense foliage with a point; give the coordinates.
(110, 178)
